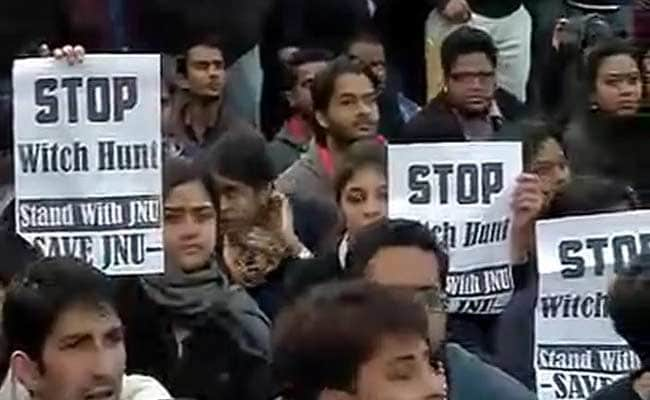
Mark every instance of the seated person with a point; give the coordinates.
(345, 110)
(196, 112)
(407, 254)
(255, 221)
(354, 341)
(470, 107)
(171, 319)
(65, 337)
(361, 189)
(628, 302)
(296, 134)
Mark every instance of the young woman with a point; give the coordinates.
(608, 136)
(362, 194)
(172, 319)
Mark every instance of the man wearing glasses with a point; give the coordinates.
(400, 253)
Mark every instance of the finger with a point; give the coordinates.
(58, 54)
(79, 53)
(44, 50)
(68, 52)
(527, 177)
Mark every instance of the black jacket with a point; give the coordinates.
(613, 147)
(437, 122)
(212, 364)
(619, 390)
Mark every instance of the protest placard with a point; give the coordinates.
(462, 191)
(577, 350)
(87, 159)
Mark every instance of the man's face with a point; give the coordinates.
(370, 55)
(206, 73)
(552, 167)
(400, 370)
(83, 356)
(352, 112)
(471, 84)
(300, 95)
(413, 268)
(240, 204)
(190, 233)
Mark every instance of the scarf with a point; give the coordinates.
(190, 298)
(254, 253)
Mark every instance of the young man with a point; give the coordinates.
(507, 21)
(394, 109)
(472, 106)
(629, 301)
(197, 113)
(294, 138)
(65, 337)
(407, 254)
(345, 109)
(356, 341)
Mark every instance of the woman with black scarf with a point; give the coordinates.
(190, 329)
(608, 136)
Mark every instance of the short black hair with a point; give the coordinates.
(365, 152)
(38, 297)
(536, 133)
(322, 340)
(466, 40)
(395, 233)
(325, 81)
(302, 57)
(629, 304)
(603, 50)
(592, 194)
(17, 254)
(178, 171)
(208, 39)
(608, 48)
(241, 157)
(368, 35)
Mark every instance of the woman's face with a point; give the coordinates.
(618, 85)
(190, 232)
(364, 199)
(552, 167)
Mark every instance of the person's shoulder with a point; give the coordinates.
(622, 389)
(140, 387)
(511, 107)
(432, 123)
(465, 369)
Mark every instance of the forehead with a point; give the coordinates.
(204, 53)
(355, 84)
(188, 193)
(366, 49)
(549, 148)
(85, 319)
(620, 63)
(405, 266)
(224, 182)
(368, 174)
(310, 68)
(472, 62)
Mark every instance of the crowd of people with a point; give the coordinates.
(285, 277)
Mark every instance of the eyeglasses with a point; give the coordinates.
(434, 299)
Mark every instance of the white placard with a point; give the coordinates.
(88, 160)
(463, 192)
(577, 350)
